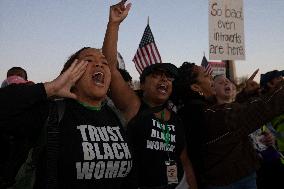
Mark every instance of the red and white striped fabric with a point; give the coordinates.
(206, 65)
(147, 53)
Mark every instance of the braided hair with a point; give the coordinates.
(187, 76)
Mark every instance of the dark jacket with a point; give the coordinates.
(224, 153)
(16, 122)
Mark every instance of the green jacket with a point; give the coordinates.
(278, 125)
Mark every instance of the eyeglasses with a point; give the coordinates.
(161, 73)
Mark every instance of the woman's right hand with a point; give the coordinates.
(62, 85)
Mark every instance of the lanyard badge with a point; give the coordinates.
(170, 164)
(171, 172)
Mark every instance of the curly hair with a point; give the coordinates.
(72, 58)
(187, 76)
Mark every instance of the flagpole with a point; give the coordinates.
(148, 20)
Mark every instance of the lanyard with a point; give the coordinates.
(166, 130)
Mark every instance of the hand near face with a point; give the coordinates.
(119, 12)
(62, 85)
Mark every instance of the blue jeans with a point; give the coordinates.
(248, 182)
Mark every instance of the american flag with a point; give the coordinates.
(147, 52)
(206, 65)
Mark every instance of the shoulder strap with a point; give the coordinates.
(60, 103)
(56, 112)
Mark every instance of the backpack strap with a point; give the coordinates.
(60, 103)
(48, 140)
(57, 108)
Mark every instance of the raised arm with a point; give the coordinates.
(259, 111)
(122, 95)
(250, 90)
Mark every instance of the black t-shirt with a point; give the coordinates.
(145, 134)
(95, 153)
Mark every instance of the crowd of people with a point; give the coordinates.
(88, 128)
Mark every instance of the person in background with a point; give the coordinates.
(221, 151)
(155, 133)
(224, 89)
(15, 80)
(268, 83)
(262, 139)
(272, 166)
(16, 75)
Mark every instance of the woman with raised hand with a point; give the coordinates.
(93, 152)
(217, 134)
(155, 132)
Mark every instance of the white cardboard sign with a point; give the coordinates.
(226, 30)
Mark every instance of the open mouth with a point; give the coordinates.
(227, 89)
(98, 78)
(162, 88)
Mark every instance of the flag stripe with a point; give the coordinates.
(145, 55)
(153, 52)
(206, 65)
(137, 64)
(157, 52)
(148, 51)
(140, 56)
(143, 58)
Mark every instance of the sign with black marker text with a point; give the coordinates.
(226, 30)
